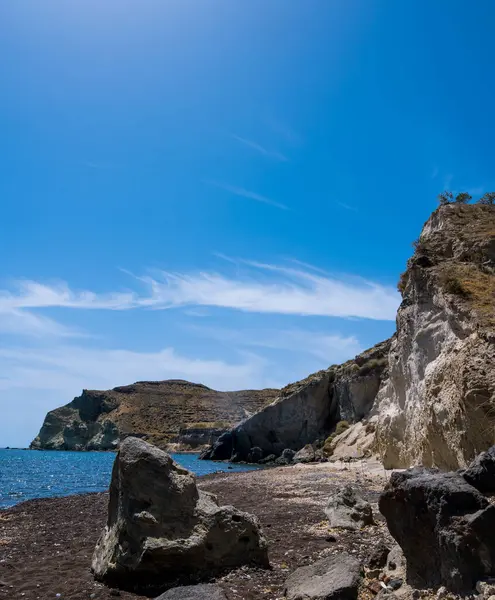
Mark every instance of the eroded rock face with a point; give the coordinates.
(162, 412)
(346, 509)
(335, 577)
(444, 527)
(162, 530)
(437, 407)
(309, 410)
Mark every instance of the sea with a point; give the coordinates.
(28, 474)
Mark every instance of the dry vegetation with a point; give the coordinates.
(462, 255)
(160, 410)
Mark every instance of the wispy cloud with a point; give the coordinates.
(72, 368)
(261, 149)
(327, 348)
(32, 294)
(347, 206)
(238, 191)
(25, 323)
(264, 288)
(289, 291)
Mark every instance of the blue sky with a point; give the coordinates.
(219, 191)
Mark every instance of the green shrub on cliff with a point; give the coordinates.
(339, 428)
(488, 198)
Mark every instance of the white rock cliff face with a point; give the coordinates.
(438, 405)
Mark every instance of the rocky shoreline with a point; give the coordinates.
(46, 545)
(319, 531)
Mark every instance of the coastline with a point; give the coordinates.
(47, 544)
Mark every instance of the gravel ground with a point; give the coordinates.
(46, 545)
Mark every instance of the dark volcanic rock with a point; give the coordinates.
(205, 591)
(336, 577)
(255, 455)
(481, 472)
(286, 457)
(444, 526)
(221, 449)
(378, 557)
(162, 530)
(347, 510)
(310, 409)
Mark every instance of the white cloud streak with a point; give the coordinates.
(238, 191)
(266, 288)
(25, 323)
(72, 368)
(327, 348)
(261, 149)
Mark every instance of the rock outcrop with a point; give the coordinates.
(335, 577)
(310, 409)
(346, 510)
(438, 405)
(162, 530)
(161, 412)
(444, 527)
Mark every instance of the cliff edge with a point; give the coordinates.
(438, 405)
(427, 396)
(161, 412)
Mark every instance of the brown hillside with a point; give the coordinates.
(154, 410)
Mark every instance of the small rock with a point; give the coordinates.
(336, 576)
(394, 584)
(305, 455)
(486, 587)
(347, 510)
(375, 586)
(206, 591)
(255, 455)
(378, 557)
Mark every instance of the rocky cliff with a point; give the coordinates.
(309, 410)
(157, 411)
(438, 404)
(427, 396)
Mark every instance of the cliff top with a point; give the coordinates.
(457, 245)
(155, 410)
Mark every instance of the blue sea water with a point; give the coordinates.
(28, 474)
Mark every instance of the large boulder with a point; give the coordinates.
(335, 577)
(348, 510)
(481, 472)
(286, 457)
(444, 527)
(204, 591)
(162, 530)
(305, 455)
(255, 455)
